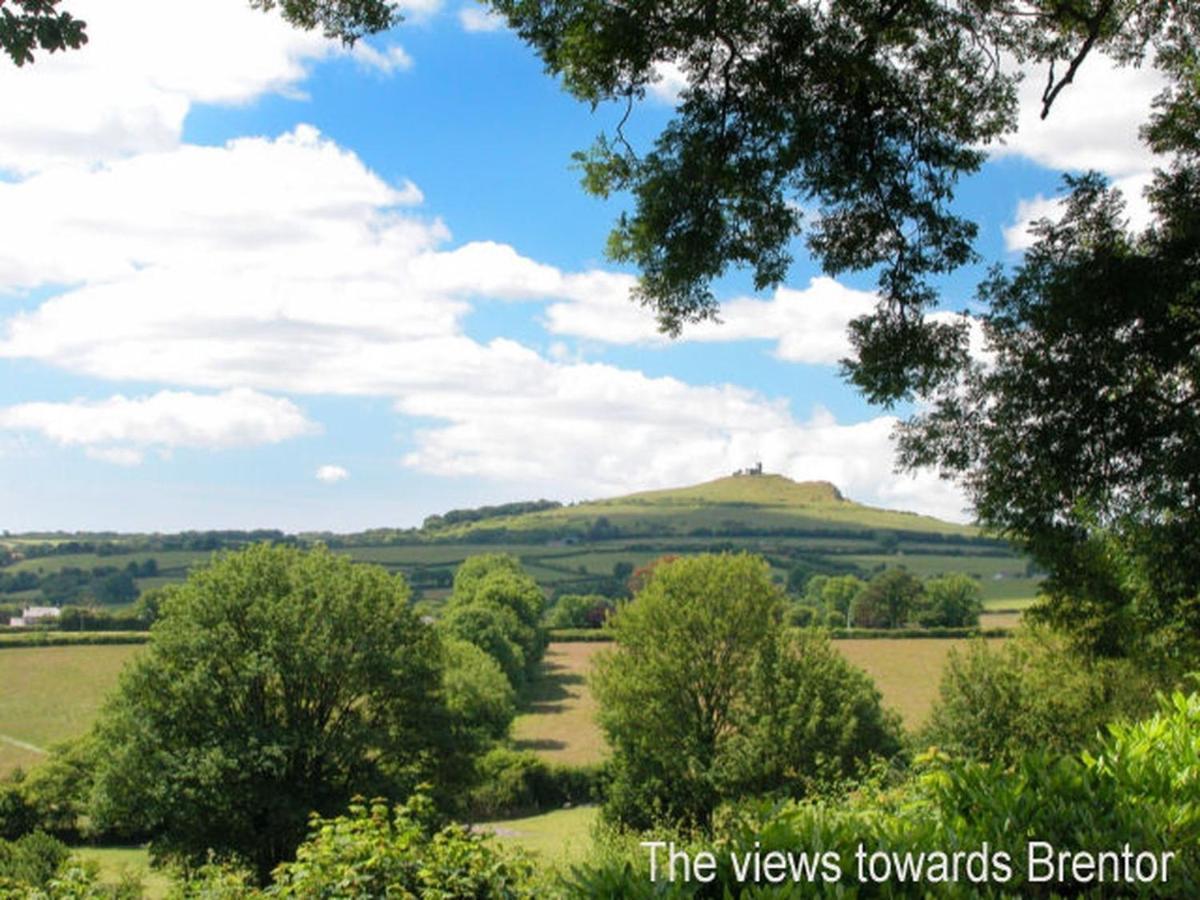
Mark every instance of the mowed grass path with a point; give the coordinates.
(48, 694)
(559, 721)
(559, 711)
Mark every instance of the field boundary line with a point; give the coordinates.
(22, 745)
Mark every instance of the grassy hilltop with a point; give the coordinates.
(722, 506)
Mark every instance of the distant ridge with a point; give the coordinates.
(749, 502)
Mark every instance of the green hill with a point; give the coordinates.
(579, 548)
(730, 506)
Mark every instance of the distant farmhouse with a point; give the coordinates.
(32, 614)
(756, 469)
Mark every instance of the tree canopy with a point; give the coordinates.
(707, 697)
(28, 25)
(278, 682)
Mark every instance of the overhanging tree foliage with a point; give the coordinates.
(863, 114)
(29, 25)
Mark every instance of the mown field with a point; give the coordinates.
(48, 694)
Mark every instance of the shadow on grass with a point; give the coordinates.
(539, 744)
(548, 692)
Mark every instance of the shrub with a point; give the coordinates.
(1033, 692)
(1139, 789)
(511, 783)
(30, 862)
(374, 851)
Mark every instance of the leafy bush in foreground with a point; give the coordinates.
(1140, 789)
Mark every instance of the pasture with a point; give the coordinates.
(48, 694)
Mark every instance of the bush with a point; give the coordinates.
(511, 783)
(374, 851)
(17, 817)
(30, 862)
(1033, 692)
(1139, 789)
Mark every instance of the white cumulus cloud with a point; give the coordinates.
(119, 428)
(476, 19)
(1093, 123)
(331, 474)
(285, 265)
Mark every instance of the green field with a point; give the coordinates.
(48, 694)
(563, 836)
(114, 862)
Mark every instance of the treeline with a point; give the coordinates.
(893, 599)
(433, 528)
(107, 585)
(462, 516)
(116, 545)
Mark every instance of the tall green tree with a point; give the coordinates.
(278, 682)
(498, 607)
(888, 600)
(1080, 437)
(706, 696)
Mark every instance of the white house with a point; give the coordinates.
(31, 614)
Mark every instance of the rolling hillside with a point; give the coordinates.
(729, 505)
(590, 547)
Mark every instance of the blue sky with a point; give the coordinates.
(251, 279)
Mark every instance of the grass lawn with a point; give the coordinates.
(558, 717)
(48, 694)
(562, 836)
(116, 861)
